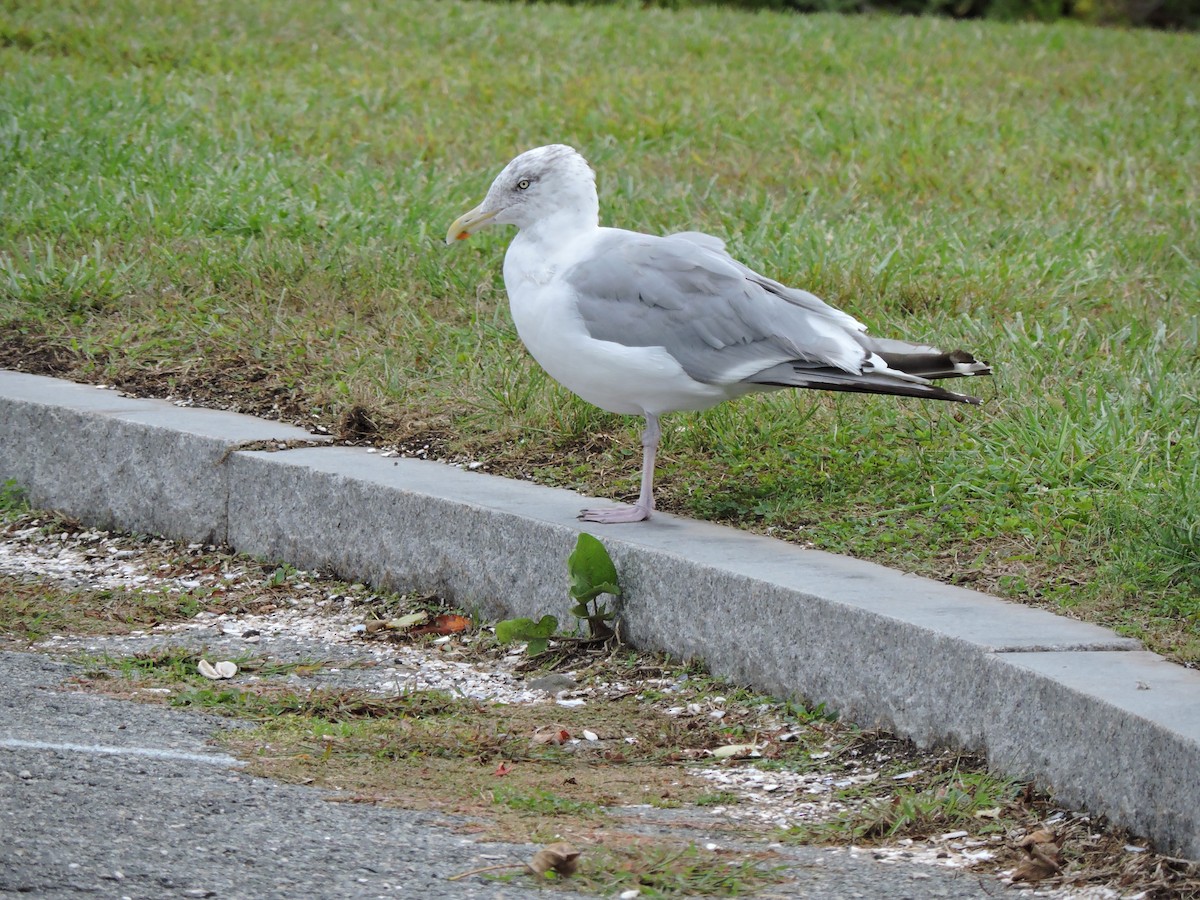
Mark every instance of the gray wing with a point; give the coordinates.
(721, 320)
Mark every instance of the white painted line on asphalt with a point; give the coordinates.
(101, 750)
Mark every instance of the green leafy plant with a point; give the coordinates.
(538, 633)
(281, 575)
(592, 575)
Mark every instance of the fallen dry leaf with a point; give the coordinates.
(502, 770)
(404, 623)
(1033, 870)
(551, 734)
(561, 858)
(1041, 836)
(447, 623)
(1042, 849)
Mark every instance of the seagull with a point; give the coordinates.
(644, 325)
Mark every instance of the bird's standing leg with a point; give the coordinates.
(645, 502)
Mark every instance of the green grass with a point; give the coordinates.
(673, 871)
(543, 803)
(175, 665)
(12, 500)
(971, 800)
(30, 611)
(246, 201)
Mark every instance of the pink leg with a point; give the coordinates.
(641, 510)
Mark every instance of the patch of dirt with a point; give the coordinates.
(236, 384)
(360, 424)
(26, 351)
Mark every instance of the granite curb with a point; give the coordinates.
(1089, 715)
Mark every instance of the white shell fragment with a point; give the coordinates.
(731, 750)
(223, 669)
(226, 669)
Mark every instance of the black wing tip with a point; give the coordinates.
(836, 380)
(933, 392)
(937, 365)
(970, 365)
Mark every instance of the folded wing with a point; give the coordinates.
(724, 323)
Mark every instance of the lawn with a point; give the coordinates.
(245, 202)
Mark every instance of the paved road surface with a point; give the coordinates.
(106, 798)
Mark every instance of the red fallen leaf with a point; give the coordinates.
(502, 769)
(447, 623)
(551, 734)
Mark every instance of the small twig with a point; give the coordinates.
(1187, 863)
(495, 868)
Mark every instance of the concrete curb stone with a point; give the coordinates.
(142, 465)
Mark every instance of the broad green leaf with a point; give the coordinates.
(510, 630)
(591, 569)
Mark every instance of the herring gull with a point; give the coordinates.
(645, 325)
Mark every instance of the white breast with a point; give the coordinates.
(620, 379)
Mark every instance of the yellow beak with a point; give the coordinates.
(468, 223)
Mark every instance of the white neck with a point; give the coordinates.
(562, 225)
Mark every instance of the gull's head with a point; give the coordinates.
(552, 183)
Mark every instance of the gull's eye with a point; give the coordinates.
(523, 184)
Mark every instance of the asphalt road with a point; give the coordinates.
(108, 798)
